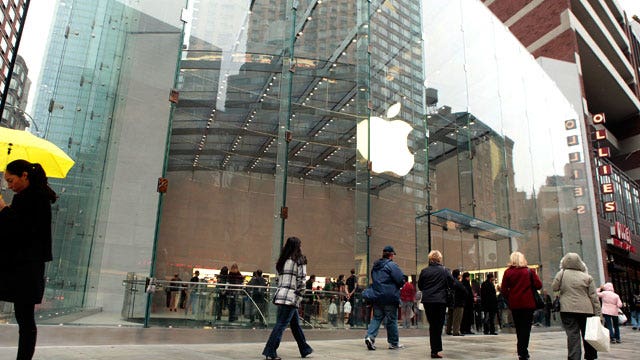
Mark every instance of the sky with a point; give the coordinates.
(40, 15)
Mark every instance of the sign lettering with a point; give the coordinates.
(599, 118)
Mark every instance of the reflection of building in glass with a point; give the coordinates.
(591, 50)
(14, 116)
(262, 90)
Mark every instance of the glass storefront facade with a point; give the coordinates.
(274, 109)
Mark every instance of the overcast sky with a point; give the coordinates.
(40, 14)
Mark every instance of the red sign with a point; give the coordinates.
(599, 118)
(604, 152)
(621, 237)
(601, 134)
(604, 170)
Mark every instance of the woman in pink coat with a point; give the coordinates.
(610, 305)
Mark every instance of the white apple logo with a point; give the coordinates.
(389, 151)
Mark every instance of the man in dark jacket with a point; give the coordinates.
(467, 314)
(455, 312)
(489, 305)
(384, 294)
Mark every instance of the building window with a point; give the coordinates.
(5, 3)
(3, 45)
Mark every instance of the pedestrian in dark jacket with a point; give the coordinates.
(384, 294)
(516, 287)
(489, 305)
(26, 229)
(434, 283)
(459, 299)
(467, 314)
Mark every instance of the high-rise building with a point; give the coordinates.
(14, 115)
(12, 16)
(590, 50)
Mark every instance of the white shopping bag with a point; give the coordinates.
(622, 318)
(596, 334)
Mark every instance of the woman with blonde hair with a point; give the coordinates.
(516, 288)
(434, 282)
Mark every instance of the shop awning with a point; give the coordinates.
(448, 218)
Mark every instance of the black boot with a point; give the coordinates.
(27, 344)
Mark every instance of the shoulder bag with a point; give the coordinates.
(536, 296)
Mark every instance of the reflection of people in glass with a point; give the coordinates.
(292, 271)
(516, 287)
(26, 227)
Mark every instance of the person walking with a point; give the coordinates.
(489, 305)
(26, 231)
(517, 289)
(611, 304)
(635, 310)
(578, 301)
(384, 294)
(434, 282)
(407, 297)
(292, 271)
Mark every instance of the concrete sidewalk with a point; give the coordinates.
(136, 344)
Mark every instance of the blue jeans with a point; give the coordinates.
(287, 315)
(390, 313)
(611, 322)
(635, 318)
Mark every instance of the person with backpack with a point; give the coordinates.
(384, 295)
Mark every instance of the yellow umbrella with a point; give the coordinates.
(19, 144)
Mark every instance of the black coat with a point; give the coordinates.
(26, 244)
(434, 281)
(488, 296)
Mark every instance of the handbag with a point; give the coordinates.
(596, 334)
(622, 318)
(536, 296)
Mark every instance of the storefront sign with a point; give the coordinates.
(621, 237)
(606, 187)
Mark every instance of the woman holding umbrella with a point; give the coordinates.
(26, 243)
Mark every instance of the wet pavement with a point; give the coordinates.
(133, 343)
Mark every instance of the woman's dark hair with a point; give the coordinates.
(35, 174)
(291, 250)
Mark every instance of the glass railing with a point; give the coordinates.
(187, 304)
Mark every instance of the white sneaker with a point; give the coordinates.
(396, 347)
(370, 343)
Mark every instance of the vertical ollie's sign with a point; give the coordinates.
(621, 237)
(604, 171)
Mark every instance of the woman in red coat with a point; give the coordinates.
(516, 288)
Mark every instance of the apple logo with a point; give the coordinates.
(389, 151)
